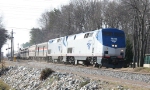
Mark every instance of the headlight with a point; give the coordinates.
(121, 50)
(115, 45)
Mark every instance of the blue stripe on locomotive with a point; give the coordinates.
(111, 36)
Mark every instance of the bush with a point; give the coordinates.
(45, 73)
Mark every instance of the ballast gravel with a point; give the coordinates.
(25, 76)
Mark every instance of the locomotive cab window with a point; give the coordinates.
(107, 33)
(119, 34)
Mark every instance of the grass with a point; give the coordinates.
(84, 83)
(142, 69)
(4, 86)
(125, 86)
(2, 64)
(52, 79)
(48, 81)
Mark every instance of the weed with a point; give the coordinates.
(45, 73)
(84, 83)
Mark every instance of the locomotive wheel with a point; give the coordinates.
(95, 65)
(60, 58)
(94, 62)
(100, 65)
(88, 60)
(72, 60)
(50, 59)
(47, 59)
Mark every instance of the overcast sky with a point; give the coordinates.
(22, 15)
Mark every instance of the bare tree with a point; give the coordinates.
(140, 13)
(68, 19)
(94, 15)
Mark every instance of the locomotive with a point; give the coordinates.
(103, 47)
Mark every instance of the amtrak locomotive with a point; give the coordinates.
(103, 47)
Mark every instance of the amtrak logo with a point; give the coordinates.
(114, 40)
(89, 44)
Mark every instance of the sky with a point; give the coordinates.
(22, 15)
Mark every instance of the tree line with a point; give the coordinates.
(132, 16)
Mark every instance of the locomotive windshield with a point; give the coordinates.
(119, 34)
(107, 33)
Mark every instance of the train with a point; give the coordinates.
(102, 47)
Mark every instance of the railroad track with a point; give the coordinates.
(125, 70)
(122, 75)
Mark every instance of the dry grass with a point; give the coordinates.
(4, 86)
(3, 67)
(45, 73)
(142, 69)
(84, 83)
(2, 64)
(137, 69)
(113, 86)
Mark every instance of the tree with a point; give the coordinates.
(140, 12)
(111, 15)
(129, 52)
(3, 39)
(36, 36)
(27, 44)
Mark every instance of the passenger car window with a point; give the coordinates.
(58, 40)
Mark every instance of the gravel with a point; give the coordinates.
(117, 74)
(26, 77)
